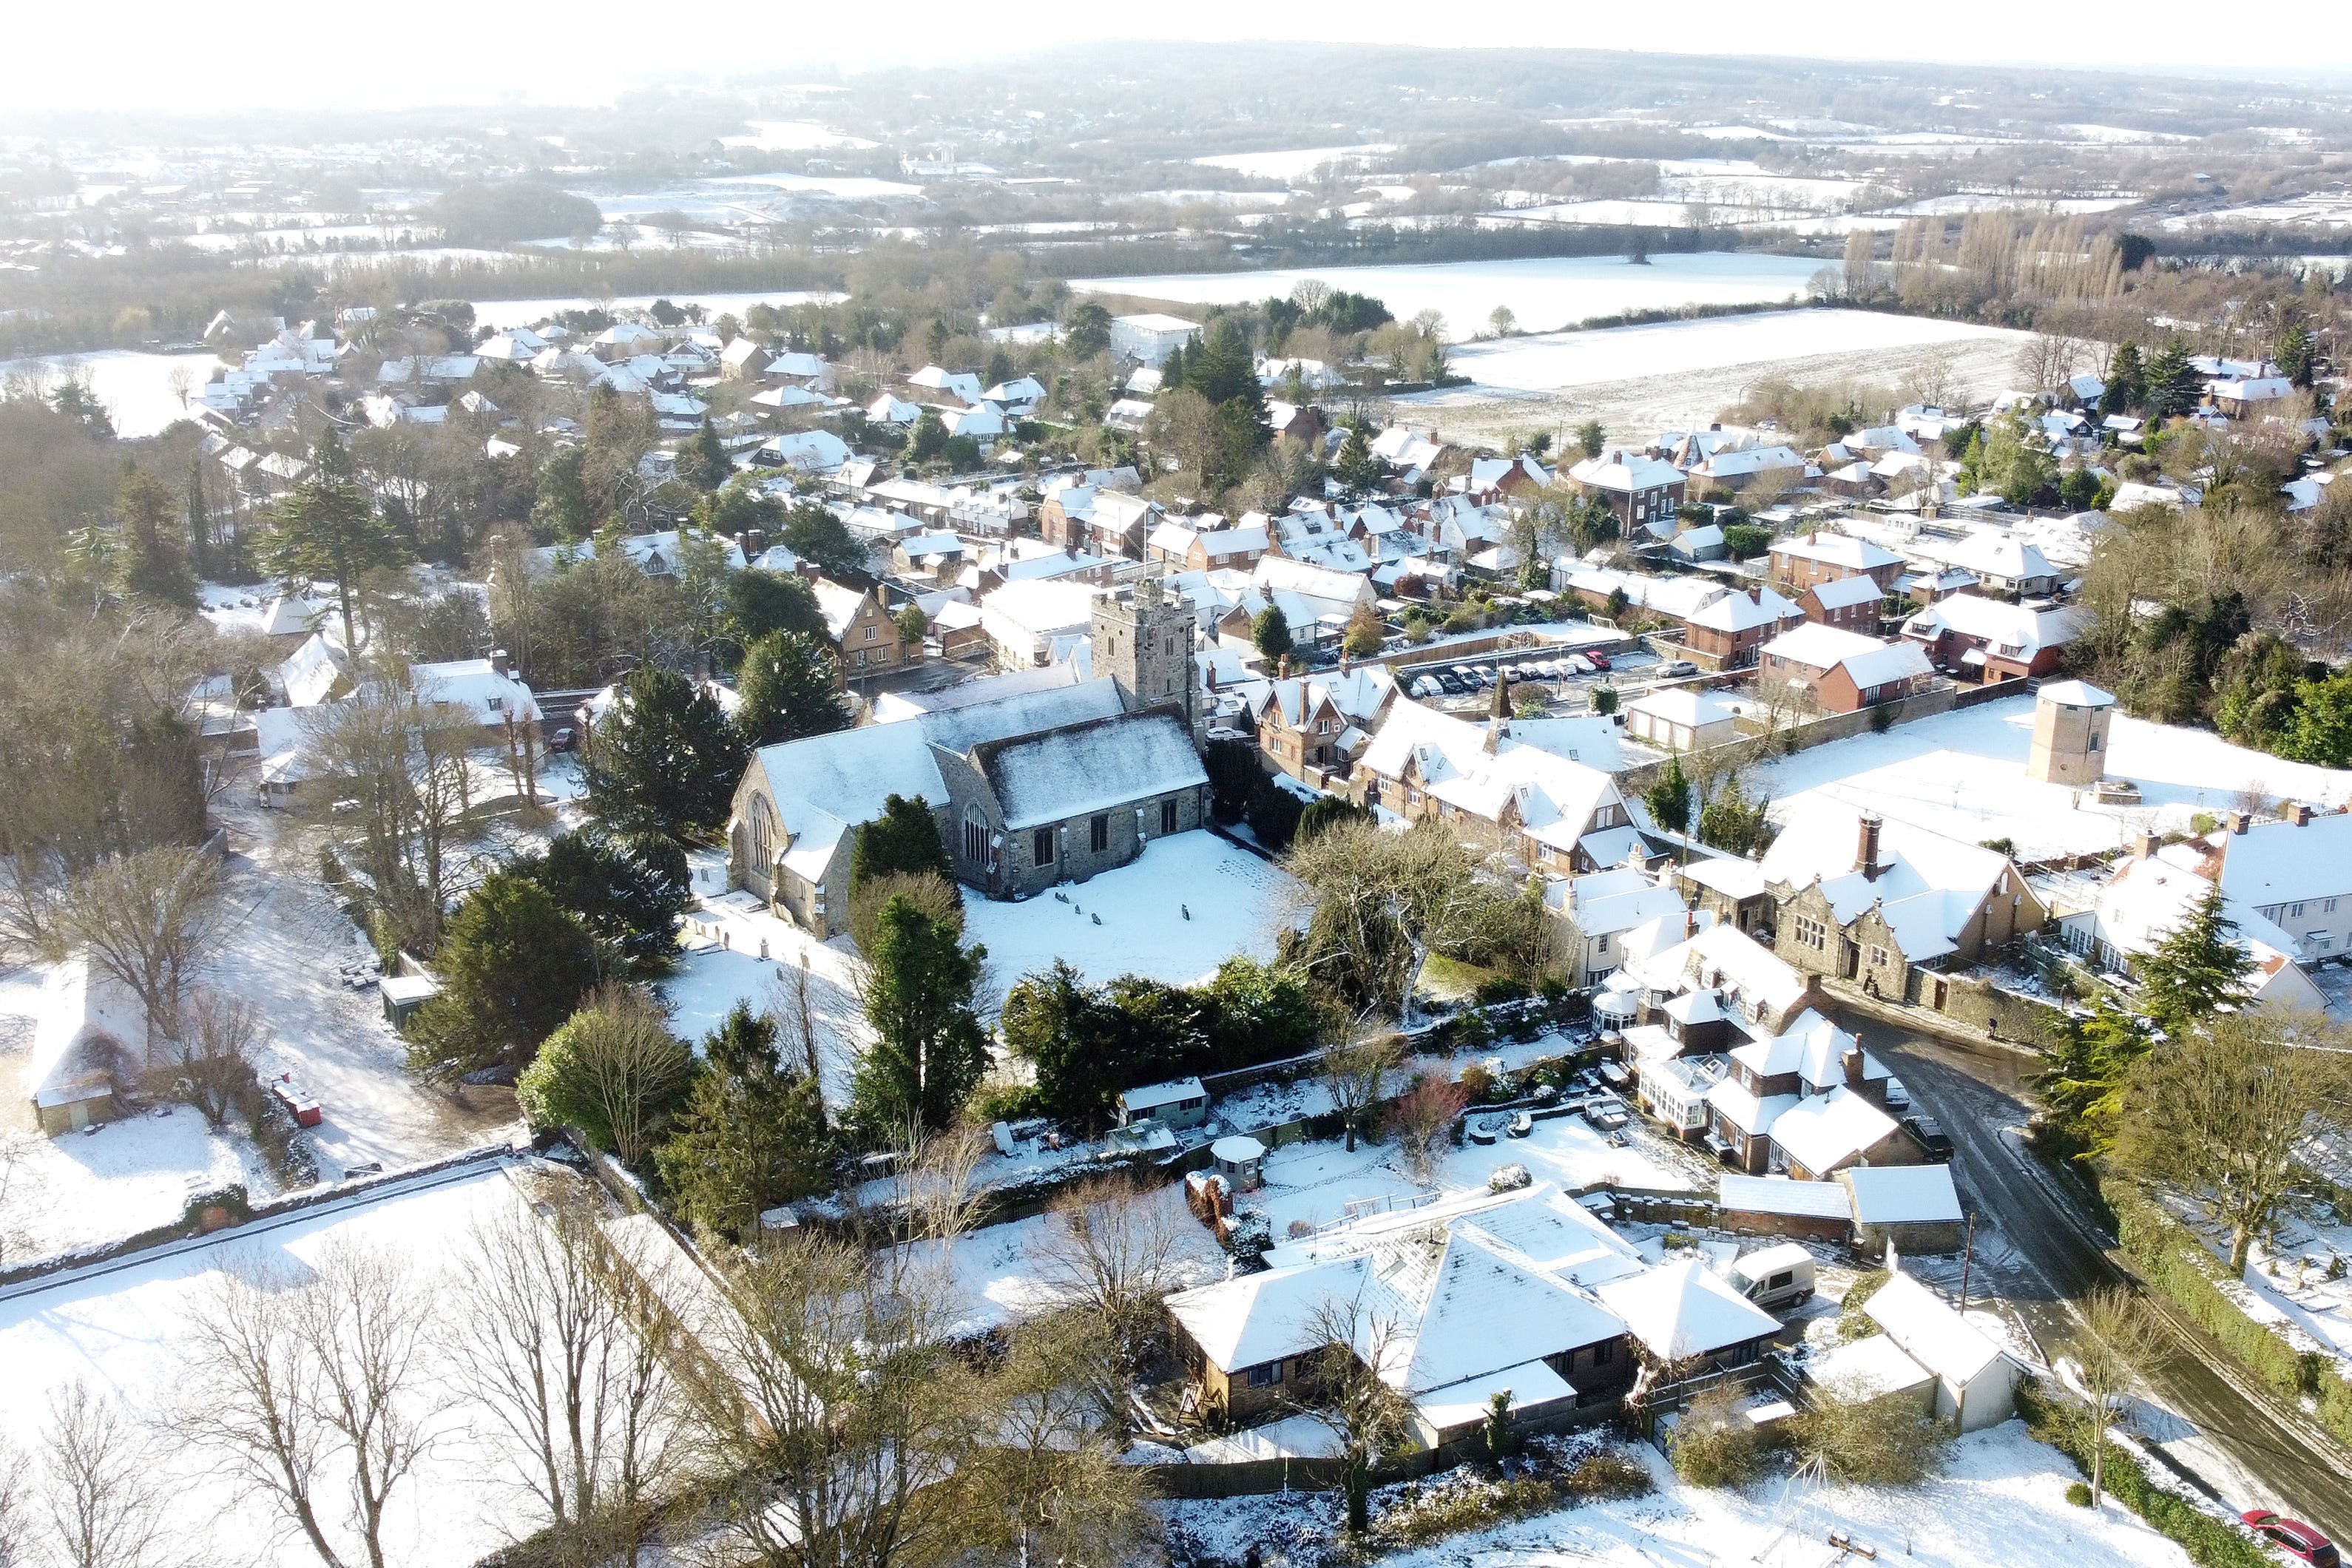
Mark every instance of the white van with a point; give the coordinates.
(1777, 1278)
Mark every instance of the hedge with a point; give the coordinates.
(2169, 1257)
(2210, 1542)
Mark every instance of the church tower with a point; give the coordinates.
(1144, 641)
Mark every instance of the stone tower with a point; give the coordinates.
(1144, 641)
(2070, 734)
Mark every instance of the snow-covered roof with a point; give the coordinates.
(2076, 694)
(1624, 473)
(1902, 1195)
(1844, 593)
(311, 673)
(89, 1022)
(1868, 1368)
(1683, 1311)
(492, 695)
(1929, 1331)
(1778, 1195)
(1069, 772)
(1837, 549)
(1606, 902)
(2016, 631)
(2279, 863)
(1824, 1130)
(1556, 798)
(1258, 1318)
(1732, 611)
(1588, 738)
(1868, 662)
(1723, 956)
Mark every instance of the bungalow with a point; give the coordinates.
(486, 691)
(962, 386)
(1837, 671)
(2242, 397)
(1990, 639)
(89, 1039)
(1152, 337)
(1885, 904)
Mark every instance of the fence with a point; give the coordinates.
(1251, 1478)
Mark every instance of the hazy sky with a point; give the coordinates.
(168, 54)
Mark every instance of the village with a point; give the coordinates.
(1163, 920)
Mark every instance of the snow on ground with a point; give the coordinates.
(117, 1328)
(2001, 1502)
(135, 389)
(1234, 900)
(1544, 293)
(1294, 164)
(1963, 775)
(283, 950)
(1583, 359)
(497, 314)
(996, 1271)
(115, 1180)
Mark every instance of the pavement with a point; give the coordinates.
(2244, 1445)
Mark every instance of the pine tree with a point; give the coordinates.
(1356, 468)
(751, 1135)
(512, 967)
(1172, 372)
(2196, 969)
(2086, 1073)
(2170, 382)
(706, 461)
(327, 531)
(2295, 354)
(1669, 798)
(929, 1050)
(2126, 383)
(628, 891)
(905, 839)
(154, 566)
(786, 683)
(200, 521)
(665, 760)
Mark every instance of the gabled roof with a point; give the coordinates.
(1817, 842)
(1072, 771)
(1837, 549)
(1682, 1311)
(1824, 1130)
(1902, 1194)
(1929, 1332)
(1258, 1318)
(1867, 661)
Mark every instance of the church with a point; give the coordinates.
(1034, 778)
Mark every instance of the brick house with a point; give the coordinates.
(1637, 490)
(1990, 639)
(1797, 563)
(1849, 604)
(1307, 728)
(1838, 671)
(865, 635)
(1730, 628)
(1807, 1102)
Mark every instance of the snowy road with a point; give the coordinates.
(2270, 1458)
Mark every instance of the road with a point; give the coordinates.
(1978, 1093)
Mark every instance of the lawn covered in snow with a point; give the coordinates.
(119, 1329)
(1548, 361)
(1134, 921)
(1544, 292)
(116, 1179)
(1963, 775)
(2001, 1502)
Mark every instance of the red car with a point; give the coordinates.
(2291, 1536)
(1599, 662)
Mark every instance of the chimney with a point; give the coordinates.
(2144, 845)
(2239, 821)
(1755, 593)
(1690, 923)
(1865, 848)
(1853, 1069)
(2299, 813)
(499, 663)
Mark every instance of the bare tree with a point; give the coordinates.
(148, 919)
(407, 764)
(2119, 1336)
(1346, 1394)
(937, 1185)
(550, 1335)
(1356, 1071)
(1423, 1121)
(102, 1493)
(788, 1003)
(2223, 1112)
(616, 1063)
(308, 1384)
(210, 1063)
(1109, 1250)
(1049, 1486)
(16, 1508)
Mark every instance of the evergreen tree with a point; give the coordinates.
(1735, 822)
(560, 508)
(815, 534)
(2086, 1073)
(153, 565)
(1172, 372)
(2295, 354)
(786, 683)
(665, 760)
(1590, 438)
(1356, 466)
(928, 438)
(2127, 382)
(756, 604)
(1225, 370)
(1271, 632)
(705, 461)
(2321, 730)
(1669, 799)
(2171, 382)
(929, 1050)
(327, 532)
(2195, 969)
(627, 891)
(200, 521)
(751, 1135)
(512, 966)
(904, 839)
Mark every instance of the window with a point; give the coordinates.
(1265, 1377)
(1601, 944)
(1604, 1353)
(1810, 932)
(861, 658)
(1041, 846)
(2294, 912)
(1099, 834)
(1167, 817)
(870, 633)
(975, 839)
(2328, 907)
(1878, 958)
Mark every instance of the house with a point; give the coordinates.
(1999, 561)
(1639, 491)
(89, 1037)
(1151, 338)
(1850, 604)
(1975, 1381)
(1039, 621)
(1681, 718)
(736, 361)
(1730, 626)
(1740, 470)
(1888, 905)
(2157, 890)
(1836, 671)
(1809, 1102)
(807, 451)
(1504, 795)
(2296, 874)
(1990, 639)
(1729, 888)
(939, 556)
(1448, 1304)
(1109, 522)
(1914, 1209)
(1683, 1314)
(2242, 397)
(866, 636)
(963, 386)
(1180, 1103)
(1308, 727)
(1797, 563)
(888, 410)
(1035, 787)
(486, 691)
(315, 672)
(1591, 914)
(1186, 545)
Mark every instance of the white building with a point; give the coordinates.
(1150, 338)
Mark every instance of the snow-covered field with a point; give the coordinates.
(792, 136)
(116, 1179)
(500, 313)
(1617, 353)
(134, 388)
(119, 1330)
(1963, 775)
(1233, 900)
(1293, 164)
(1543, 293)
(2001, 1502)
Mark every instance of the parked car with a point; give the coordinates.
(1424, 687)
(2291, 1536)
(1676, 668)
(563, 739)
(1579, 664)
(1931, 1136)
(1598, 661)
(1897, 1097)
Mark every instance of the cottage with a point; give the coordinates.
(2158, 889)
(89, 1039)
(1591, 914)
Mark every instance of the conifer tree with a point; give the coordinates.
(2196, 969)
(929, 1050)
(787, 686)
(665, 760)
(154, 567)
(751, 1135)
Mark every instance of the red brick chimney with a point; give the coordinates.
(2299, 813)
(1865, 844)
(1853, 1068)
